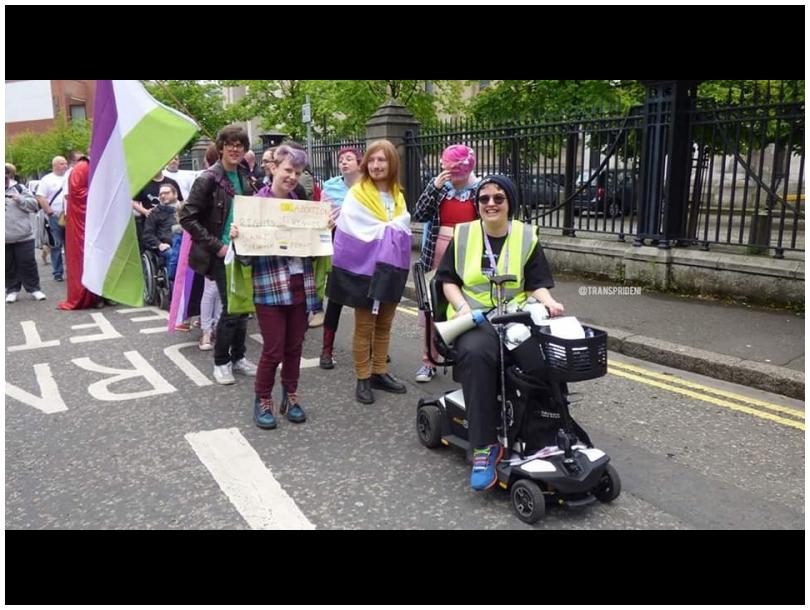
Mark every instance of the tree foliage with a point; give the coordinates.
(339, 107)
(32, 153)
(510, 100)
(201, 100)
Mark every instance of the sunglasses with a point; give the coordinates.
(497, 199)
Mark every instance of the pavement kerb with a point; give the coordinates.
(776, 379)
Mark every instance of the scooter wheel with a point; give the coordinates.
(610, 485)
(528, 501)
(429, 426)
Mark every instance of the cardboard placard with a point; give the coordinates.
(281, 227)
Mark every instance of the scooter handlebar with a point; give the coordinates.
(521, 317)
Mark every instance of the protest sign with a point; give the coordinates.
(281, 227)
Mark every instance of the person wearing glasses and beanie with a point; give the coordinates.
(448, 199)
(494, 245)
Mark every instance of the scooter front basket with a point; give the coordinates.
(574, 359)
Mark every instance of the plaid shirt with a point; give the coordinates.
(427, 211)
(271, 282)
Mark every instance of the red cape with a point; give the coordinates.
(78, 297)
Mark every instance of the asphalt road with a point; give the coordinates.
(84, 453)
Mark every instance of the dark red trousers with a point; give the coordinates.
(283, 328)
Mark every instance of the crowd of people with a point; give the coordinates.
(186, 219)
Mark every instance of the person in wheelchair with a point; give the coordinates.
(158, 234)
(494, 245)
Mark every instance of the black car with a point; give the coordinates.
(612, 193)
(541, 190)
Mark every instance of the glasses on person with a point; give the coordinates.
(235, 145)
(496, 199)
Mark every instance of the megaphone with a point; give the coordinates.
(450, 331)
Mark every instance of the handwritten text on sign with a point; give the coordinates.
(281, 227)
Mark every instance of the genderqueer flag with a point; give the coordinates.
(134, 136)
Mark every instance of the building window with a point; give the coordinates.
(78, 112)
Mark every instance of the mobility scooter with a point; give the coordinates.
(548, 457)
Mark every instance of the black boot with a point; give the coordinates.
(363, 392)
(327, 362)
(387, 383)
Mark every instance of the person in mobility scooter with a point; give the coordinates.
(509, 384)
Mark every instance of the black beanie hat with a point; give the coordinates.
(506, 185)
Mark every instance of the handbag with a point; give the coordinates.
(46, 235)
(238, 284)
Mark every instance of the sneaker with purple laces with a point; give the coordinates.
(485, 463)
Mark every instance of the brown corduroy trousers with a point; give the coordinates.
(372, 334)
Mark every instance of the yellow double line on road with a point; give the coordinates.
(708, 394)
(715, 396)
(409, 310)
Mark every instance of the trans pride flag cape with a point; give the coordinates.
(183, 283)
(134, 136)
(371, 253)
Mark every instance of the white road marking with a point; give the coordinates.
(306, 363)
(157, 314)
(32, 338)
(107, 330)
(248, 483)
(184, 364)
(100, 389)
(50, 400)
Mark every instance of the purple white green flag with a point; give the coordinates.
(134, 136)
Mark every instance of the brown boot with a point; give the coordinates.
(327, 362)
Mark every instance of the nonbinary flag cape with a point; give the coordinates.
(372, 249)
(134, 136)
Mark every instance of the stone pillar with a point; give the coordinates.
(391, 122)
(198, 153)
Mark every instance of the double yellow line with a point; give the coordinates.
(721, 398)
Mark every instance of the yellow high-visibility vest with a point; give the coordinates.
(468, 240)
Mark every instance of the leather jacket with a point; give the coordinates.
(205, 212)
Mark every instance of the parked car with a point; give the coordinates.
(541, 190)
(613, 192)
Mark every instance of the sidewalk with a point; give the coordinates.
(751, 346)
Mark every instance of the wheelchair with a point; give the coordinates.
(157, 287)
(548, 457)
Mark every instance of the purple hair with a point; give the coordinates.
(296, 156)
(459, 159)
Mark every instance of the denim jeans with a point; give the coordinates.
(56, 252)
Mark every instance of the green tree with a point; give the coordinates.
(32, 153)
(511, 100)
(339, 107)
(201, 100)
